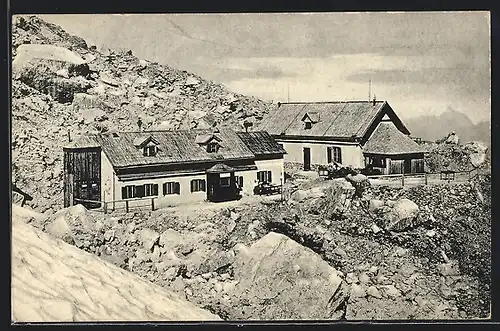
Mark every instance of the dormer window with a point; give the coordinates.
(150, 150)
(210, 142)
(212, 147)
(309, 118)
(148, 144)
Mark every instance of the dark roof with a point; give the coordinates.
(173, 147)
(179, 146)
(336, 119)
(388, 140)
(261, 143)
(85, 141)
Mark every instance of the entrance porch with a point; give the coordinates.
(222, 184)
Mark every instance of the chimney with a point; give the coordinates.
(374, 100)
(279, 104)
(139, 123)
(69, 136)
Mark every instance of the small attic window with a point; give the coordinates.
(115, 135)
(308, 125)
(150, 150)
(212, 147)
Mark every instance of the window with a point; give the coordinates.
(333, 154)
(197, 185)
(150, 190)
(239, 180)
(308, 125)
(128, 192)
(378, 162)
(139, 191)
(225, 182)
(264, 177)
(171, 188)
(212, 147)
(149, 151)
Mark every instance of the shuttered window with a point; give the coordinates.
(171, 188)
(198, 185)
(128, 192)
(139, 191)
(333, 153)
(264, 176)
(150, 190)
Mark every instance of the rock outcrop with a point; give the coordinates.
(290, 281)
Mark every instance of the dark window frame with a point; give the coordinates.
(378, 161)
(150, 151)
(170, 188)
(264, 176)
(334, 153)
(308, 125)
(198, 185)
(128, 192)
(212, 147)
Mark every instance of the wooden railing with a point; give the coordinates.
(112, 205)
(459, 176)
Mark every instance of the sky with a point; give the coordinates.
(421, 63)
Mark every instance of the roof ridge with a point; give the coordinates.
(333, 101)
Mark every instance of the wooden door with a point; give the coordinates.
(407, 165)
(307, 159)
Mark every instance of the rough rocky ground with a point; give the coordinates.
(62, 85)
(53, 281)
(397, 260)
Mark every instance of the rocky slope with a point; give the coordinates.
(63, 87)
(413, 253)
(53, 281)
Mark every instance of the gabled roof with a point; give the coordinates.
(311, 116)
(220, 168)
(144, 140)
(206, 138)
(388, 140)
(174, 147)
(338, 119)
(261, 143)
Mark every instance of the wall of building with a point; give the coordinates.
(112, 187)
(108, 179)
(249, 181)
(352, 154)
(275, 166)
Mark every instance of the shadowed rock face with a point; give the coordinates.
(53, 281)
(288, 281)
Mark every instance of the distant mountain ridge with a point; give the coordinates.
(435, 127)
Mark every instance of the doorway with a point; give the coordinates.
(407, 165)
(307, 159)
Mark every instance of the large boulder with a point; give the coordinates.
(402, 215)
(73, 224)
(148, 238)
(290, 279)
(477, 153)
(29, 53)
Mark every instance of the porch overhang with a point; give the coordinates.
(220, 168)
